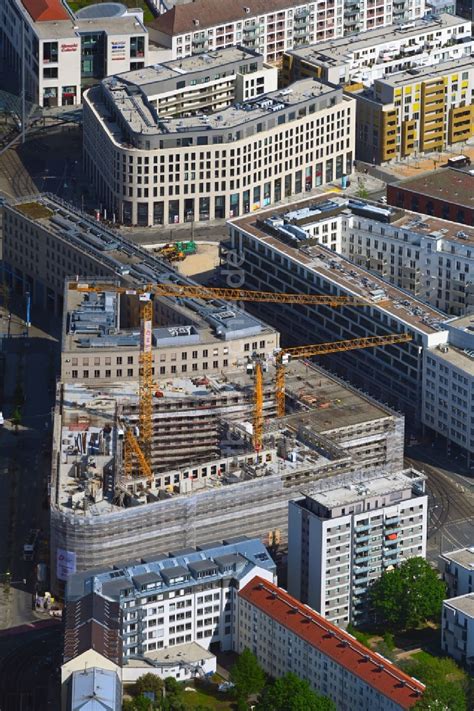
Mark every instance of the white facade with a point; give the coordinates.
(381, 52)
(157, 171)
(285, 25)
(65, 54)
(432, 258)
(342, 537)
(286, 636)
(448, 387)
(457, 629)
(457, 568)
(187, 597)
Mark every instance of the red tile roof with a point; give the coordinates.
(46, 10)
(379, 673)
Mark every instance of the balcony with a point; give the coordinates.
(391, 520)
(361, 539)
(363, 527)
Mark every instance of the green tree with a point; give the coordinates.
(149, 682)
(16, 418)
(408, 595)
(446, 683)
(290, 693)
(247, 675)
(138, 703)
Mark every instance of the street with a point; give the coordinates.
(29, 659)
(451, 499)
(28, 376)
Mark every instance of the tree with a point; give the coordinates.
(16, 418)
(408, 595)
(290, 693)
(446, 683)
(247, 675)
(149, 682)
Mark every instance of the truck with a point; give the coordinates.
(177, 251)
(29, 548)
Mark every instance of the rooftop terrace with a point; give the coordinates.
(343, 49)
(141, 118)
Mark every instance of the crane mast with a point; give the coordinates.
(319, 349)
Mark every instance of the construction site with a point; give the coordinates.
(151, 457)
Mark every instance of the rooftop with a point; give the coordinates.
(133, 266)
(149, 78)
(463, 603)
(342, 49)
(435, 228)
(227, 559)
(463, 557)
(142, 119)
(200, 14)
(95, 689)
(191, 653)
(352, 279)
(348, 488)
(308, 625)
(426, 74)
(46, 10)
(454, 186)
(316, 434)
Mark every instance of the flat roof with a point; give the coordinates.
(454, 186)
(142, 119)
(462, 603)
(315, 630)
(349, 489)
(181, 654)
(196, 16)
(179, 68)
(435, 227)
(425, 74)
(351, 278)
(342, 49)
(463, 557)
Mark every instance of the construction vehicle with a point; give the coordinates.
(177, 251)
(137, 446)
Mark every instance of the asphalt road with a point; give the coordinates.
(451, 500)
(25, 467)
(29, 658)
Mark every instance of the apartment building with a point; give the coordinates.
(270, 260)
(457, 629)
(188, 596)
(448, 388)
(346, 532)
(65, 52)
(457, 568)
(415, 111)
(287, 636)
(150, 170)
(378, 53)
(193, 28)
(430, 257)
(447, 193)
(203, 83)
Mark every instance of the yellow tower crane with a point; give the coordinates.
(146, 292)
(318, 349)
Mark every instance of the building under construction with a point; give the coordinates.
(207, 477)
